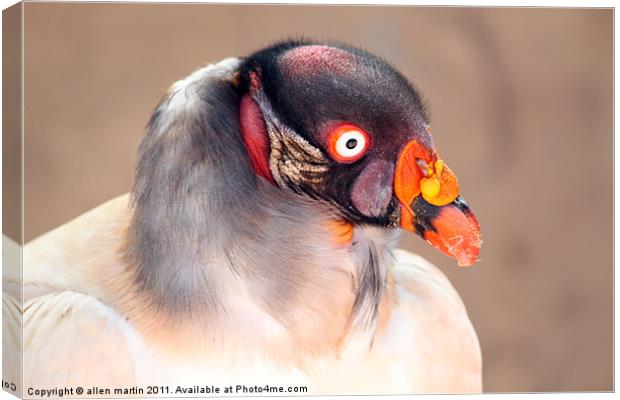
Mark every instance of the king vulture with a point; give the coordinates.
(258, 244)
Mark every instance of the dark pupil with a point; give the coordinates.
(351, 144)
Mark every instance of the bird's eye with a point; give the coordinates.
(348, 143)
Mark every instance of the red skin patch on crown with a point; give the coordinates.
(310, 60)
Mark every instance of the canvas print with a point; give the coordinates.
(230, 200)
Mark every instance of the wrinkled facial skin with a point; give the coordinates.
(298, 98)
(313, 88)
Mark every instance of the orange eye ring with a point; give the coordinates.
(348, 143)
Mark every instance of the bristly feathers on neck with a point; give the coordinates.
(212, 243)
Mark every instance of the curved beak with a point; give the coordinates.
(452, 229)
(431, 206)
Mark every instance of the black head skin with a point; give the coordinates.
(305, 88)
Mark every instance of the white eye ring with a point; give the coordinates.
(351, 144)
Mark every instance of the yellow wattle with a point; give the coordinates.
(430, 187)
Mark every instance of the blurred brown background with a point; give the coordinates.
(521, 103)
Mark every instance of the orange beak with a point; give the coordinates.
(428, 192)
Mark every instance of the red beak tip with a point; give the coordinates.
(466, 260)
(467, 256)
(464, 251)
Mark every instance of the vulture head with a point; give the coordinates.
(343, 127)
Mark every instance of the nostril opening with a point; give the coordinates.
(423, 166)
